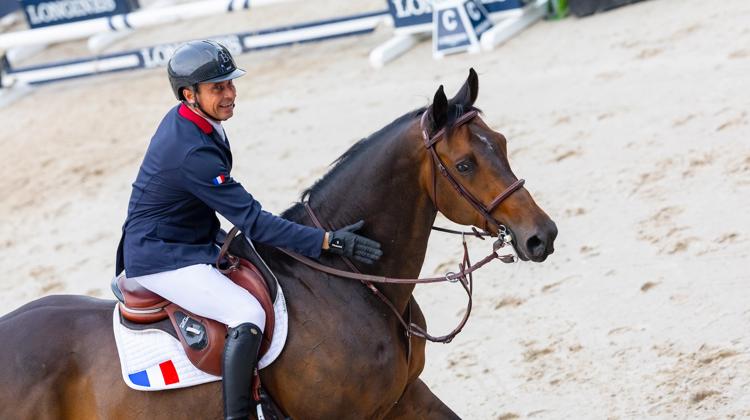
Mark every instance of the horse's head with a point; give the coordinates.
(479, 187)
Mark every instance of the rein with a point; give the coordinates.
(464, 276)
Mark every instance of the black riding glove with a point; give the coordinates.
(345, 242)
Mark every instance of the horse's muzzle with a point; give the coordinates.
(539, 245)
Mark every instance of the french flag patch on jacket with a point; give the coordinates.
(219, 180)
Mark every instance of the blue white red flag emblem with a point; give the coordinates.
(219, 180)
(156, 376)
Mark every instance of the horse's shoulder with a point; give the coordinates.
(60, 304)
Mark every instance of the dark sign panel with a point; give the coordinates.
(40, 13)
(451, 33)
(478, 16)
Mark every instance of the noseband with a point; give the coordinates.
(485, 211)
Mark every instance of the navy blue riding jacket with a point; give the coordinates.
(183, 180)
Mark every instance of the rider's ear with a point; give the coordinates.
(189, 95)
(439, 109)
(469, 91)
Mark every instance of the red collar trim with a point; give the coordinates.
(196, 119)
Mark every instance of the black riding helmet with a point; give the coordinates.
(200, 62)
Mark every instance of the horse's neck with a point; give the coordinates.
(382, 187)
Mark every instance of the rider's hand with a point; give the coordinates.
(345, 242)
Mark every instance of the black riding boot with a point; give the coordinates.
(238, 365)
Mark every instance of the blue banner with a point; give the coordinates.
(158, 55)
(40, 13)
(494, 6)
(8, 6)
(407, 13)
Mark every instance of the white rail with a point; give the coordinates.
(137, 19)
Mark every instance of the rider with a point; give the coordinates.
(168, 237)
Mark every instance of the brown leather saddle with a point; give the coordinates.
(202, 338)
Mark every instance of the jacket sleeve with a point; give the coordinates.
(206, 176)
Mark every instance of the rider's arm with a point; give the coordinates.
(206, 176)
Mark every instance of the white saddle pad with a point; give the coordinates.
(153, 360)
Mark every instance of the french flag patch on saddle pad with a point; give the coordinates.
(160, 375)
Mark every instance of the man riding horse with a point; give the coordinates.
(168, 241)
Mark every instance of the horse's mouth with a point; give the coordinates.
(521, 255)
(519, 251)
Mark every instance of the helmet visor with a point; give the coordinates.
(229, 76)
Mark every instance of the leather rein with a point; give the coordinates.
(464, 275)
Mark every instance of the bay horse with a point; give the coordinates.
(346, 356)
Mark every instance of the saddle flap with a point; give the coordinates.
(249, 278)
(203, 339)
(205, 353)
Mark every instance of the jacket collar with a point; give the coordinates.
(196, 119)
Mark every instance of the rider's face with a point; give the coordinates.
(217, 99)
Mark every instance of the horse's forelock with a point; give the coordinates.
(455, 112)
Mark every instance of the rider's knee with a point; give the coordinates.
(249, 312)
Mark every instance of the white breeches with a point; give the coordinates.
(204, 291)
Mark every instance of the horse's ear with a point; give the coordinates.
(439, 108)
(469, 91)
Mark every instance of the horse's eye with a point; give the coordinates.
(464, 166)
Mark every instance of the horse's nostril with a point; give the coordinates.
(535, 246)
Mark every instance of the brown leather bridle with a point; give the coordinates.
(465, 269)
(486, 212)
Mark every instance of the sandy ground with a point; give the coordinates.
(631, 128)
